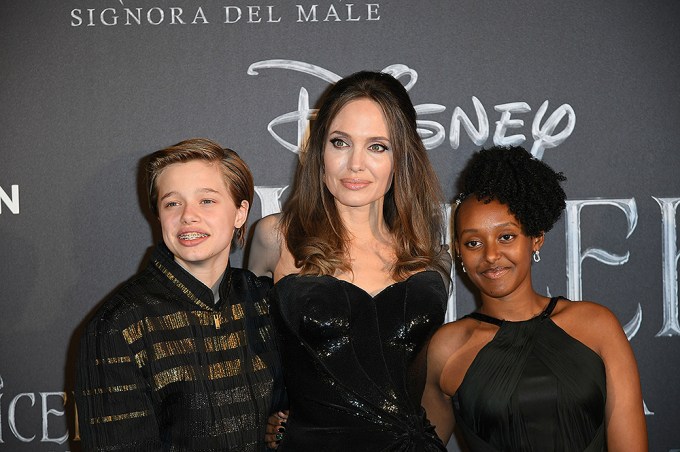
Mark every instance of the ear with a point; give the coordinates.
(241, 214)
(456, 247)
(538, 242)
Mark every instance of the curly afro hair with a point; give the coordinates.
(510, 175)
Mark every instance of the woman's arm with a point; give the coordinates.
(265, 248)
(437, 404)
(624, 416)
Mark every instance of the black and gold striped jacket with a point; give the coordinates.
(162, 367)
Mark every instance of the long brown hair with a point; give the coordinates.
(314, 231)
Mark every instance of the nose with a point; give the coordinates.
(189, 214)
(355, 160)
(491, 253)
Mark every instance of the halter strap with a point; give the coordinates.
(498, 322)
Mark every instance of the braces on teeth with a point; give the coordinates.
(192, 235)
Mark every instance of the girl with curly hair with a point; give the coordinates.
(526, 372)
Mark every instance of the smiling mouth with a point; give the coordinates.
(496, 272)
(192, 236)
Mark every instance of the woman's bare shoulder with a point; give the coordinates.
(265, 248)
(268, 230)
(452, 336)
(453, 348)
(595, 313)
(591, 323)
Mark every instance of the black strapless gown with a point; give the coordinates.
(355, 365)
(533, 388)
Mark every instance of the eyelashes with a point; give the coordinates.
(177, 203)
(339, 143)
(377, 147)
(373, 147)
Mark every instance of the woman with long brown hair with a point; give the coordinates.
(361, 275)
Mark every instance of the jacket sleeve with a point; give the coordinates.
(115, 410)
(279, 394)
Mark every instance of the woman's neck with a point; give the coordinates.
(518, 306)
(365, 224)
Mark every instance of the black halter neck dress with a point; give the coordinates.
(532, 388)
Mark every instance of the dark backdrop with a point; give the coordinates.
(87, 88)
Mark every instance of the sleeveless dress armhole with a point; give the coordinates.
(532, 387)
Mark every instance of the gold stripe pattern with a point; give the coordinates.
(133, 332)
(224, 369)
(258, 364)
(119, 417)
(229, 342)
(204, 318)
(237, 312)
(173, 321)
(141, 358)
(170, 348)
(110, 390)
(167, 322)
(184, 289)
(213, 372)
(261, 307)
(115, 360)
(181, 373)
(265, 333)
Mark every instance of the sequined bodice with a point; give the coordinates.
(354, 364)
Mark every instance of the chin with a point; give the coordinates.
(501, 293)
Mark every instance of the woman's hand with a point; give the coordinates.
(276, 428)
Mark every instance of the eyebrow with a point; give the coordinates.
(501, 225)
(344, 134)
(200, 190)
